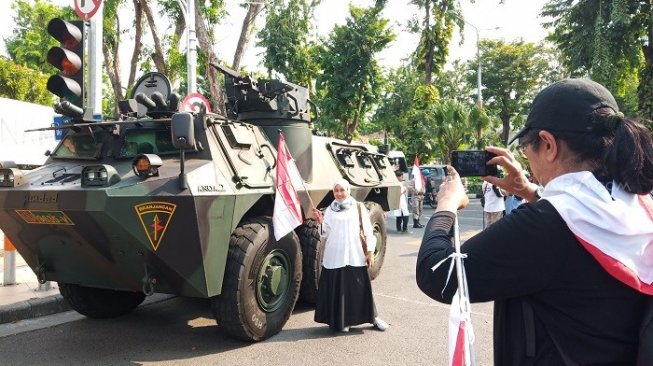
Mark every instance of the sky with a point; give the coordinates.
(509, 21)
(514, 19)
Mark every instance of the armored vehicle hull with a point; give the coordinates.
(182, 203)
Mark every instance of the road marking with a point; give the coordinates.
(429, 304)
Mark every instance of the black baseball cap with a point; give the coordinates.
(567, 105)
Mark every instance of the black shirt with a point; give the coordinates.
(551, 296)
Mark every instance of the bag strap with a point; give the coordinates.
(360, 217)
(497, 191)
(360, 228)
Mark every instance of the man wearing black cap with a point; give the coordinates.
(571, 271)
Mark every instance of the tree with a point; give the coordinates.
(454, 126)
(24, 77)
(253, 10)
(512, 74)
(22, 83)
(436, 31)
(395, 105)
(454, 84)
(351, 79)
(29, 44)
(163, 54)
(286, 39)
(610, 41)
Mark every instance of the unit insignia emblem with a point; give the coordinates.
(155, 217)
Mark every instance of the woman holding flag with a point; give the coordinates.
(570, 272)
(345, 290)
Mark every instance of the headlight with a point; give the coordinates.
(11, 177)
(99, 176)
(146, 165)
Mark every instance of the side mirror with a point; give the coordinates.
(183, 131)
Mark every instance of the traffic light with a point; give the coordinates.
(69, 58)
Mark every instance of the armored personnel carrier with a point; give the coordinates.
(181, 203)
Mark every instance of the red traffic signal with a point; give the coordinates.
(69, 58)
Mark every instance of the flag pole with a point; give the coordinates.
(463, 294)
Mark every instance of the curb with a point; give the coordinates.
(33, 308)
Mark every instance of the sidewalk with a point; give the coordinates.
(24, 300)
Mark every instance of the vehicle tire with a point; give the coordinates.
(100, 303)
(312, 252)
(261, 281)
(377, 218)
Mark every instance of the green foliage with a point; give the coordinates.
(396, 103)
(512, 74)
(29, 43)
(22, 83)
(645, 92)
(609, 40)
(455, 126)
(213, 11)
(454, 84)
(286, 40)
(351, 80)
(436, 30)
(474, 185)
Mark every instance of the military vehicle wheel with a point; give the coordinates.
(312, 252)
(100, 303)
(377, 218)
(261, 282)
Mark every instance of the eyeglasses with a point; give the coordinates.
(524, 141)
(523, 144)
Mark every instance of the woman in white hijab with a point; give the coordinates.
(345, 290)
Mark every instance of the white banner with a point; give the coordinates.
(16, 144)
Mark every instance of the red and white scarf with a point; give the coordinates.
(616, 229)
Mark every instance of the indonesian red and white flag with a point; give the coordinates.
(287, 213)
(615, 228)
(460, 332)
(420, 182)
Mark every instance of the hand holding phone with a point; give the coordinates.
(473, 163)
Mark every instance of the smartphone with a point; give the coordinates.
(473, 163)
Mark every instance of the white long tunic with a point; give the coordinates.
(403, 204)
(343, 246)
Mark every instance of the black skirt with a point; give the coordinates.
(344, 297)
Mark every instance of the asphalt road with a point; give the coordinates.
(181, 331)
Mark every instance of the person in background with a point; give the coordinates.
(417, 200)
(571, 271)
(494, 204)
(512, 202)
(401, 214)
(344, 294)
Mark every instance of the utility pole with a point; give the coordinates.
(479, 71)
(188, 10)
(95, 62)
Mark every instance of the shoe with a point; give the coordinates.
(417, 226)
(380, 324)
(404, 230)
